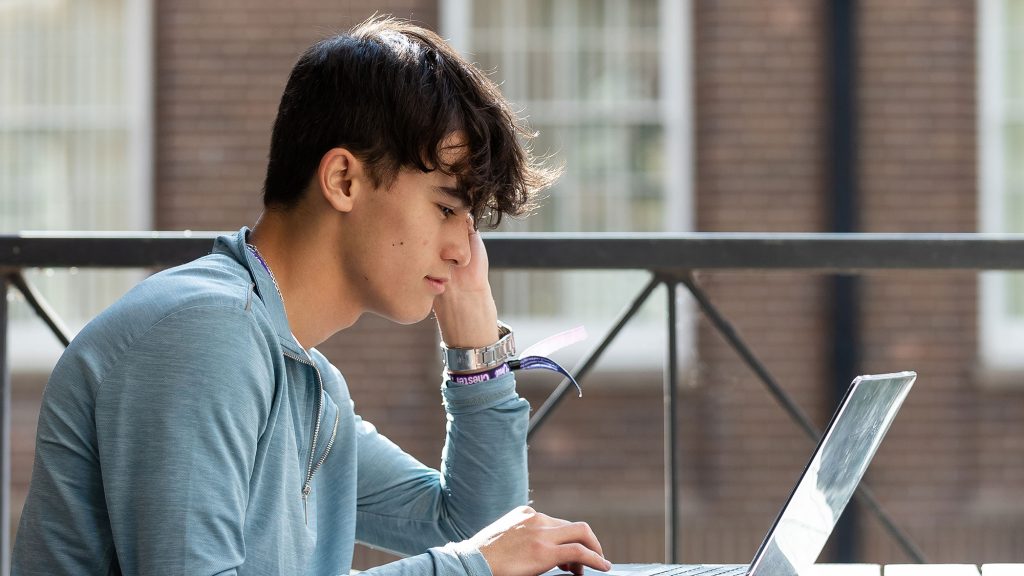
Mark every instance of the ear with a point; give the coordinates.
(341, 177)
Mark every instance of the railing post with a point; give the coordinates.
(5, 437)
(671, 455)
(842, 64)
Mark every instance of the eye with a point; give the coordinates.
(446, 211)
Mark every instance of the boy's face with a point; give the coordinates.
(407, 239)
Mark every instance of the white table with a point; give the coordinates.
(918, 570)
(1002, 570)
(931, 570)
(846, 570)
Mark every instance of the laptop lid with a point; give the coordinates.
(832, 475)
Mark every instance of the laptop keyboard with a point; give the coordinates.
(699, 570)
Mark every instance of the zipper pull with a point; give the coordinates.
(305, 494)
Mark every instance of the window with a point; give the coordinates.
(1001, 162)
(74, 143)
(605, 83)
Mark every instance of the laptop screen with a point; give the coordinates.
(831, 477)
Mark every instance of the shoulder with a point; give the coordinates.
(206, 304)
(214, 282)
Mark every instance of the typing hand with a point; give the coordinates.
(525, 542)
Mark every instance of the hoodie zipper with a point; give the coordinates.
(312, 467)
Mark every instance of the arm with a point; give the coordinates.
(407, 507)
(177, 428)
(520, 543)
(484, 467)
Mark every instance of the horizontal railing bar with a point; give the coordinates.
(826, 252)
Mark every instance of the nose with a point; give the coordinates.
(457, 251)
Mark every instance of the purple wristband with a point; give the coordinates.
(477, 377)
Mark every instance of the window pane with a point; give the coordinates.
(590, 13)
(1015, 295)
(588, 73)
(643, 77)
(61, 54)
(593, 79)
(1015, 14)
(64, 133)
(1014, 147)
(595, 153)
(1014, 34)
(1015, 70)
(647, 166)
(540, 76)
(489, 62)
(486, 15)
(539, 13)
(1014, 183)
(643, 14)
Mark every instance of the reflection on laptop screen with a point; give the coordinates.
(832, 476)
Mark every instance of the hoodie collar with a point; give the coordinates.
(233, 246)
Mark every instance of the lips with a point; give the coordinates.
(438, 284)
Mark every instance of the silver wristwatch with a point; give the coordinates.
(480, 359)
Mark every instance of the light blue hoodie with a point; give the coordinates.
(175, 435)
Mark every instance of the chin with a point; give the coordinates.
(406, 317)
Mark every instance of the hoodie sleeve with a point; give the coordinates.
(449, 560)
(406, 507)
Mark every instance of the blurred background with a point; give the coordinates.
(668, 116)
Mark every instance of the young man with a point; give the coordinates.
(192, 428)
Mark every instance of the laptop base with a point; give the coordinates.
(665, 570)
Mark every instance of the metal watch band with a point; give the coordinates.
(480, 359)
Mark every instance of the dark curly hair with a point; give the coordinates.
(391, 92)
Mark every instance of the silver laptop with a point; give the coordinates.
(823, 491)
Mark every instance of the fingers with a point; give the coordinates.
(476, 245)
(578, 556)
(575, 543)
(581, 532)
(566, 531)
(577, 553)
(525, 542)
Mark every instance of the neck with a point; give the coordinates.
(297, 248)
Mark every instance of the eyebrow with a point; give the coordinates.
(453, 193)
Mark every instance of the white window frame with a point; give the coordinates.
(642, 344)
(36, 349)
(1000, 336)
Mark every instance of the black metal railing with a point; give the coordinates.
(671, 259)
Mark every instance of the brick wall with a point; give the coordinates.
(951, 470)
(761, 153)
(220, 70)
